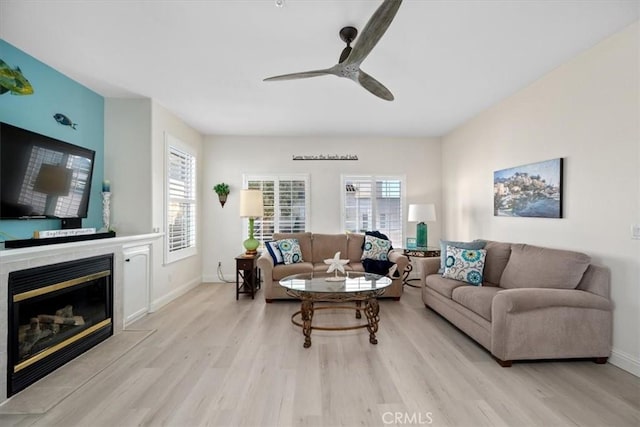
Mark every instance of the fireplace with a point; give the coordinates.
(56, 312)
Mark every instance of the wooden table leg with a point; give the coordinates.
(237, 284)
(252, 282)
(371, 310)
(307, 316)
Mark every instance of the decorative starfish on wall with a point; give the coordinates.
(336, 264)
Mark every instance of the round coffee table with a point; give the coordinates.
(357, 287)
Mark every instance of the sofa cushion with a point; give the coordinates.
(354, 247)
(442, 285)
(325, 246)
(283, 270)
(304, 240)
(466, 265)
(537, 267)
(275, 252)
(376, 249)
(476, 244)
(291, 252)
(497, 257)
(354, 266)
(476, 299)
(321, 267)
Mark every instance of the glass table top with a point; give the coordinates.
(353, 282)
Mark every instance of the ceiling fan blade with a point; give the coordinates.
(374, 30)
(301, 75)
(374, 86)
(345, 54)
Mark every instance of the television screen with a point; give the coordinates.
(42, 177)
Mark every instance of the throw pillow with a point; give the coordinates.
(476, 244)
(275, 252)
(465, 265)
(535, 266)
(376, 249)
(290, 249)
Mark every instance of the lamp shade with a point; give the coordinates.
(422, 213)
(251, 205)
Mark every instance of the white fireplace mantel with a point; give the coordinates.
(36, 256)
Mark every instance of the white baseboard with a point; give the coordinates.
(166, 299)
(135, 316)
(625, 361)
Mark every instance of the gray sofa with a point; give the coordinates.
(315, 249)
(534, 303)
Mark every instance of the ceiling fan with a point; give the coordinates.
(348, 65)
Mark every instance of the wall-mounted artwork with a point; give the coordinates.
(64, 120)
(533, 190)
(13, 81)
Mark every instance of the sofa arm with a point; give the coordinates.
(400, 260)
(265, 264)
(429, 266)
(536, 323)
(525, 299)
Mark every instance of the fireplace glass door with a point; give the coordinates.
(57, 312)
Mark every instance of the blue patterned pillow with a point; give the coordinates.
(274, 251)
(290, 249)
(465, 265)
(476, 244)
(376, 249)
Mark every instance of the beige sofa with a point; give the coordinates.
(315, 249)
(535, 303)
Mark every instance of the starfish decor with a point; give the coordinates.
(336, 264)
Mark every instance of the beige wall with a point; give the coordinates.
(172, 280)
(127, 158)
(587, 112)
(135, 162)
(228, 158)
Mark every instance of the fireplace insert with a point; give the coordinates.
(56, 312)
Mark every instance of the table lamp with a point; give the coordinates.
(420, 213)
(251, 207)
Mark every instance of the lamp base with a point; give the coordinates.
(251, 245)
(421, 235)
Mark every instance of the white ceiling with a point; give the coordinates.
(445, 61)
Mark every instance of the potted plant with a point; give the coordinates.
(222, 190)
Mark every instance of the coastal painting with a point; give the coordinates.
(533, 190)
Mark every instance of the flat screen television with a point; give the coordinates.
(42, 177)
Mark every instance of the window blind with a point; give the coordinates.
(374, 203)
(286, 201)
(181, 200)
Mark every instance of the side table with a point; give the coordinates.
(247, 275)
(428, 252)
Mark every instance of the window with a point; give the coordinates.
(286, 204)
(373, 203)
(180, 196)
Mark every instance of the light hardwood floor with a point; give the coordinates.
(221, 362)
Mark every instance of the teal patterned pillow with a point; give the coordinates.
(376, 249)
(476, 244)
(465, 265)
(290, 249)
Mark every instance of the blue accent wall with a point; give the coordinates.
(54, 93)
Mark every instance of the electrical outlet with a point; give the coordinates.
(635, 231)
